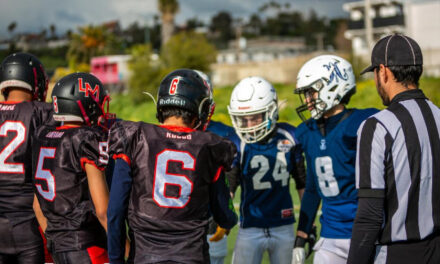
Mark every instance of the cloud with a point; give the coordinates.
(32, 15)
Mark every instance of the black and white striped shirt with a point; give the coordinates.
(398, 159)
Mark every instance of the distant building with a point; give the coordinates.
(112, 70)
(388, 17)
(419, 20)
(261, 49)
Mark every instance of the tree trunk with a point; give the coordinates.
(167, 27)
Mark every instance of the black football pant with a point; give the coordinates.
(21, 243)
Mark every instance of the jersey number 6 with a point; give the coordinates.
(162, 178)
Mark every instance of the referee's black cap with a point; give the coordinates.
(395, 50)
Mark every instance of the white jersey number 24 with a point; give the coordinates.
(279, 173)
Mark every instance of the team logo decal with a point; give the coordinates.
(55, 104)
(88, 89)
(287, 213)
(323, 145)
(284, 145)
(336, 73)
(173, 86)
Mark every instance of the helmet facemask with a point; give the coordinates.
(263, 119)
(311, 97)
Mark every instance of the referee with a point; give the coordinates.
(398, 164)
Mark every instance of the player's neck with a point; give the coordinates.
(19, 95)
(73, 124)
(334, 111)
(177, 121)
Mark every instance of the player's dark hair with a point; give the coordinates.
(186, 115)
(407, 75)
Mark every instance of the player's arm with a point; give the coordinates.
(98, 192)
(309, 207)
(233, 178)
(221, 203)
(299, 170)
(370, 169)
(42, 220)
(117, 210)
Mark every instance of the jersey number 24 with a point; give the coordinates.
(279, 172)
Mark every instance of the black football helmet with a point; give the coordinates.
(23, 70)
(186, 89)
(81, 97)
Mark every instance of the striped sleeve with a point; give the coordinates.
(372, 146)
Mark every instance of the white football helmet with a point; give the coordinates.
(253, 109)
(329, 75)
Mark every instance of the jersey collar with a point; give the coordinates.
(177, 128)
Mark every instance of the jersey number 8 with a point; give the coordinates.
(326, 179)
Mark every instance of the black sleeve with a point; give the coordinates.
(221, 204)
(366, 228)
(300, 174)
(233, 178)
(299, 170)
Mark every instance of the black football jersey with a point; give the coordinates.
(18, 122)
(61, 185)
(174, 170)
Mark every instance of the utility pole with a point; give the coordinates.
(368, 25)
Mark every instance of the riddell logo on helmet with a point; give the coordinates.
(88, 88)
(173, 86)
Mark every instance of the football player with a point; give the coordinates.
(168, 176)
(217, 239)
(325, 84)
(268, 155)
(68, 164)
(23, 83)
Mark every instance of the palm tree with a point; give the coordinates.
(11, 27)
(168, 9)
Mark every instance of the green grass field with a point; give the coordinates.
(365, 97)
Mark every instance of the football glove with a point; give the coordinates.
(298, 255)
(218, 235)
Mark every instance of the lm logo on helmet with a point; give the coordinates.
(88, 88)
(173, 86)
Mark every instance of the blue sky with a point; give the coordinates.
(35, 15)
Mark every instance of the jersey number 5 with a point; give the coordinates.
(46, 175)
(20, 129)
(162, 179)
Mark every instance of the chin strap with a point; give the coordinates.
(83, 112)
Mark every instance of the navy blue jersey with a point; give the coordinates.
(264, 175)
(331, 171)
(220, 129)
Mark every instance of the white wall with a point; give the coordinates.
(423, 25)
